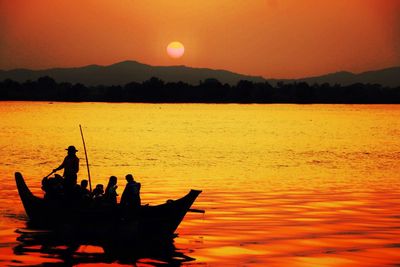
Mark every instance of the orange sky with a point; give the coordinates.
(272, 38)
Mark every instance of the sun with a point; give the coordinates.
(175, 49)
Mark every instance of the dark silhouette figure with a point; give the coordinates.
(110, 194)
(84, 192)
(70, 166)
(84, 185)
(53, 187)
(98, 192)
(131, 196)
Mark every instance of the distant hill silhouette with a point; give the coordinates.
(127, 71)
(389, 77)
(131, 71)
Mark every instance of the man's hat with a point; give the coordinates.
(71, 148)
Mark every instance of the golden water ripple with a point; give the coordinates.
(283, 185)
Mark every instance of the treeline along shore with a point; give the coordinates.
(155, 90)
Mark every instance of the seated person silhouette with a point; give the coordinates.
(110, 194)
(84, 193)
(53, 187)
(98, 192)
(131, 196)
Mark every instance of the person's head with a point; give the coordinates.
(84, 184)
(112, 181)
(71, 150)
(129, 178)
(99, 189)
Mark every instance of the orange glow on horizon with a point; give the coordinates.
(271, 38)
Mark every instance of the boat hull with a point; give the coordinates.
(160, 220)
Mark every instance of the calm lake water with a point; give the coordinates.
(283, 185)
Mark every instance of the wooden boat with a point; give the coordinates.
(160, 220)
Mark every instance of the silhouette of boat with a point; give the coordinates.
(158, 221)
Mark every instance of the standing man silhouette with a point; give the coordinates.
(70, 166)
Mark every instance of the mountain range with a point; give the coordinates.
(132, 71)
(389, 77)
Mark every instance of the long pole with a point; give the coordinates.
(87, 161)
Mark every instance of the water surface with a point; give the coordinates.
(283, 185)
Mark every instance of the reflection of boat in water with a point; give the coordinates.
(66, 251)
(148, 221)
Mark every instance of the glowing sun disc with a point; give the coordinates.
(175, 49)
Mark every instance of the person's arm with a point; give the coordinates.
(60, 167)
